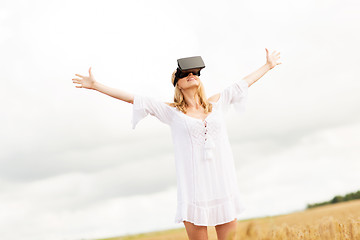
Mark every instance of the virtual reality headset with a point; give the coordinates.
(188, 65)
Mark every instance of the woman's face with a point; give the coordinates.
(189, 81)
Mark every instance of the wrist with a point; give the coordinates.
(95, 86)
(268, 66)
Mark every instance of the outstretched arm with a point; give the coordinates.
(254, 76)
(270, 64)
(90, 83)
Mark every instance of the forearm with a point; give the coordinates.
(113, 92)
(256, 75)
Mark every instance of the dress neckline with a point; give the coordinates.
(198, 119)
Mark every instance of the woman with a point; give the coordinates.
(207, 183)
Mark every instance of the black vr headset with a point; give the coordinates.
(188, 65)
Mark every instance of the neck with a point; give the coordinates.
(191, 98)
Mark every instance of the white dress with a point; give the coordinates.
(207, 189)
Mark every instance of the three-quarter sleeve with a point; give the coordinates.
(144, 105)
(235, 94)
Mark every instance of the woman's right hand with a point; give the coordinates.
(85, 82)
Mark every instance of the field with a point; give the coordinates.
(338, 221)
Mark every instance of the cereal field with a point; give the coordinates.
(338, 221)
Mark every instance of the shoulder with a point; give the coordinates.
(214, 98)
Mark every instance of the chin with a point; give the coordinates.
(195, 84)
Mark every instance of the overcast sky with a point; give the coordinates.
(73, 168)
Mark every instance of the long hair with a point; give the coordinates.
(179, 100)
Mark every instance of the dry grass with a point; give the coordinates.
(340, 221)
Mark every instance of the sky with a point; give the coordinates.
(71, 166)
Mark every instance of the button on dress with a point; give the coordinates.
(207, 189)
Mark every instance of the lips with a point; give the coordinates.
(191, 79)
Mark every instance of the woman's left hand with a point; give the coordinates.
(271, 58)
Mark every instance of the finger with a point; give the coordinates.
(80, 75)
(273, 52)
(278, 63)
(267, 52)
(278, 53)
(79, 86)
(90, 71)
(76, 79)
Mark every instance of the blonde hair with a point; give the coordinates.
(179, 100)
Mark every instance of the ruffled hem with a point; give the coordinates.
(211, 216)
